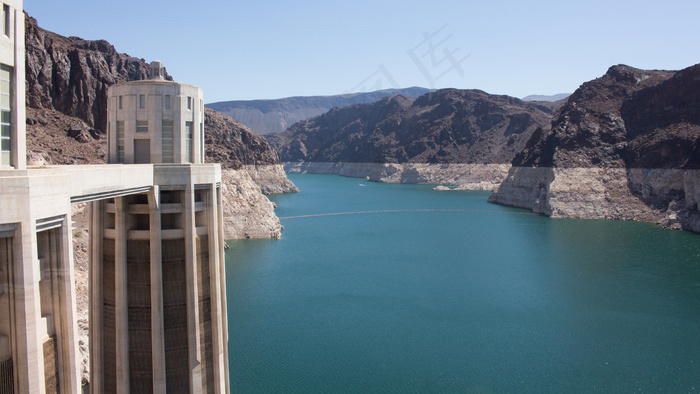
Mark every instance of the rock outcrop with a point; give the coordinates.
(624, 146)
(247, 212)
(443, 128)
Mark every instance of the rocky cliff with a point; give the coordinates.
(624, 146)
(445, 127)
(273, 116)
(71, 75)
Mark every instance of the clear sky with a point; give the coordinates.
(265, 49)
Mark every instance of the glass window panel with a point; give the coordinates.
(5, 158)
(5, 145)
(5, 117)
(5, 72)
(6, 19)
(142, 126)
(5, 86)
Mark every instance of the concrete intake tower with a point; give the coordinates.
(158, 309)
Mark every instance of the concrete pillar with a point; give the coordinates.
(19, 117)
(96, 296)
(27, 345)
(112, 103)
(157, 327)
(69, 340)
(222, 279)
(63, 299)
(121, 300)
(194, 349)
(215, 288)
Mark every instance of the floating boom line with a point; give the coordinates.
(407, 210)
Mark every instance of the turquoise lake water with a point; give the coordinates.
(433, 291)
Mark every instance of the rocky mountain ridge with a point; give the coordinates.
(545, 97)
(273, 116)
(624, 146)
(446, 126)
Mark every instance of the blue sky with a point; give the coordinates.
(263, 49)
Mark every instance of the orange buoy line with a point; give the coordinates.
(407, 210)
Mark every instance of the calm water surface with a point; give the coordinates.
(448, 293)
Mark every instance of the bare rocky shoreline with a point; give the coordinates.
(465, 176)
(668, 197)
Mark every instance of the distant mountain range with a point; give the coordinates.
(272, 116)
(540, 97)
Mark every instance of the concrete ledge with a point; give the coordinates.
(95, 182)
(172, 208)
(5, 352)
(176, 233)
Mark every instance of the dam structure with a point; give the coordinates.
(157, 294)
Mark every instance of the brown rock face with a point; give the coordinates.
(55, 138)
(628, 118)
(71, 75)
(445, 126)
(232, 144)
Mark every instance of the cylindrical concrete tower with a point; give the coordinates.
(158, 295)
(155, 121)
